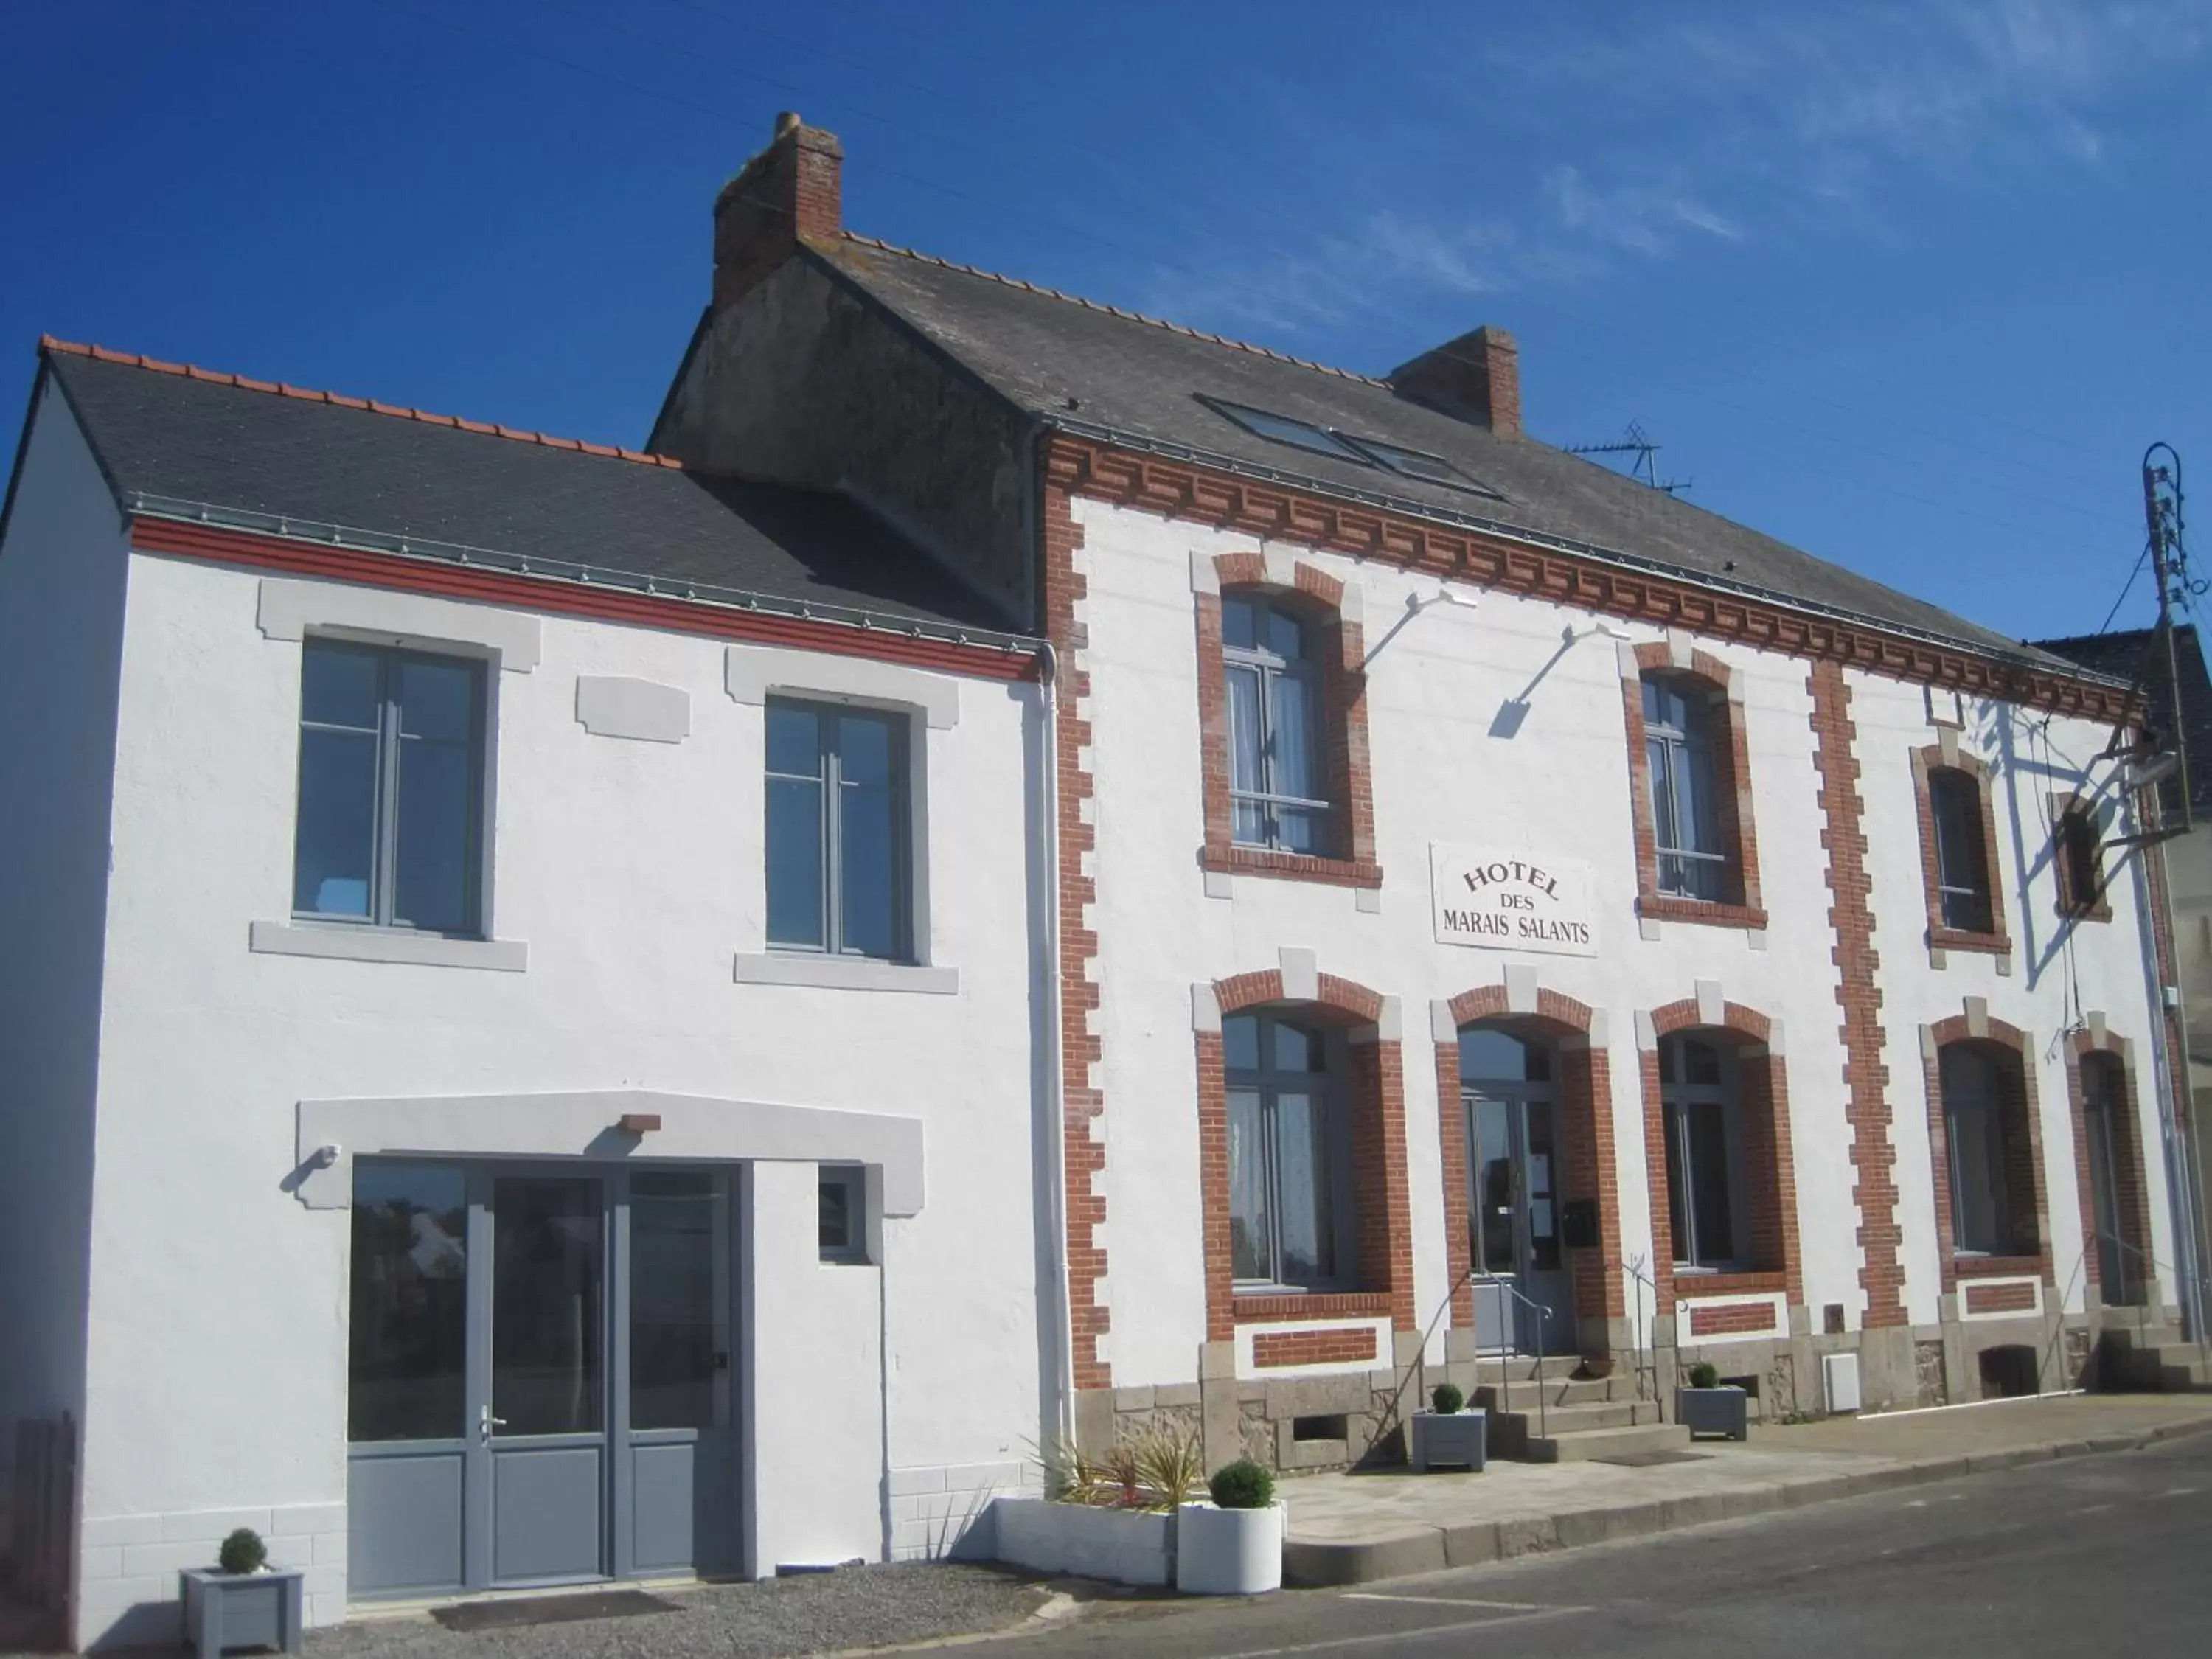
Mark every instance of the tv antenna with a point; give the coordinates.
(1645, 468)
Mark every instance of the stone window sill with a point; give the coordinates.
(338, 941)
(843, 972)
(1958, 939)
(1996, 1267)
(1290, 866)
(1252, 1307)
(2100, 911)
(1709, 912)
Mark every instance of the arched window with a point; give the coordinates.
(1277, 776)
(1992, 1198)
(1288, 1165)
(1703, 1120)
(1962, 871)
(1678, 743)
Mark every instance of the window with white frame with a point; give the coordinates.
(1276, 709)
(390, 828)
(838, 866)
(1977, 1127)
(1286, 1161)
(1962, 874)
(1678, 743)
(1702, 1106)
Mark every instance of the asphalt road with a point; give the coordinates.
(2083, 1556)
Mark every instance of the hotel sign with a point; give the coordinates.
(1509, 899)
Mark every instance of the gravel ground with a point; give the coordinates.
(778, 1619)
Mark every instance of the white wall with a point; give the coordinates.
(632, 869)
(62, 577)
(1447, 768)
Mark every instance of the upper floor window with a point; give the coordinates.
(1276, 700)
(1703, 1116)
(1984, 1127)
(1962, 874)
(390, 826)
(838, 870)
(2080, 862)
(1285, 1159)
(1678, 740)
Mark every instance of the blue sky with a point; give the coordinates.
(1909, 285)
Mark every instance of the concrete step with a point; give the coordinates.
(1571, 1419)
(1521, 1368)
(1585, 1443)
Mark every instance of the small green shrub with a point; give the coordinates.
(242, 1552)
(1446, 1397)
(1703, 1376)
(1243, 1485)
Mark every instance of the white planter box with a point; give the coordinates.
(1123, 1547)
(1229, 1552)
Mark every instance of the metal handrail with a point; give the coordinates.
(1644, 1280)
(1505, 1371)
(2096, 1236)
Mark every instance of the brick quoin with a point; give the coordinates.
(1858, 994)
(1384, 1224)
(1731, 1318)
(1082, 1102)
(1318, 596)
(2000, 1298)
(1585, 1151)
(1272, 1349)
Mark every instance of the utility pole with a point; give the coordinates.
(2162, 519)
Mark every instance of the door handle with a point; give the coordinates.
(488, 1423)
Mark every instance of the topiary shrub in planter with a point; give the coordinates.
(242, 1602)
(1451, 1434)
(1233, 1546)
(1704, 1406)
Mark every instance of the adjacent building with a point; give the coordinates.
(1022, 871)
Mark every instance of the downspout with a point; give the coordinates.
(1063, 1424)
(2154, 907)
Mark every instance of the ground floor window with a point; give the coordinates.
(1287, 1161)
(1700, 1102)
(1987, 1146)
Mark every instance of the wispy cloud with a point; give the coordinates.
(1608, 151)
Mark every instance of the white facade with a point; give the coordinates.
(199, 1332)
(1502, 725)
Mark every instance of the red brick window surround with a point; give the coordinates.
(1980, 1079)
(1379, 1280)
(1764, 1218)
(2100, 1087)
(1583, 1097)
(1334, 646)
(1722, 892)
(1958, 863)
(2077, 858)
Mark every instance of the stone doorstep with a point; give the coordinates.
(1403, 1551)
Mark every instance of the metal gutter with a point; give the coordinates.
(1220, 463)
(426, 549)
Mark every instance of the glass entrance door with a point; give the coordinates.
(540, 1377)
(543, 1423)
(1513, 1208)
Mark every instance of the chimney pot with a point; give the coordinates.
(791, 192)
(1475, 378)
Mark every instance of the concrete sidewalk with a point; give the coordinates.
(1350, 1529)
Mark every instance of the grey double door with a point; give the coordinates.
(540, 1377)
(1523, 1298)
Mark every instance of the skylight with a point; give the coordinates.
(1282, 429)
(1415, 464)
(1347, 446)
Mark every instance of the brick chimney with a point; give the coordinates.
(788, 193)
(1475, 378)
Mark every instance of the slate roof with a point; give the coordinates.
(1141, 378)
(247, 446)
(2127, 654)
